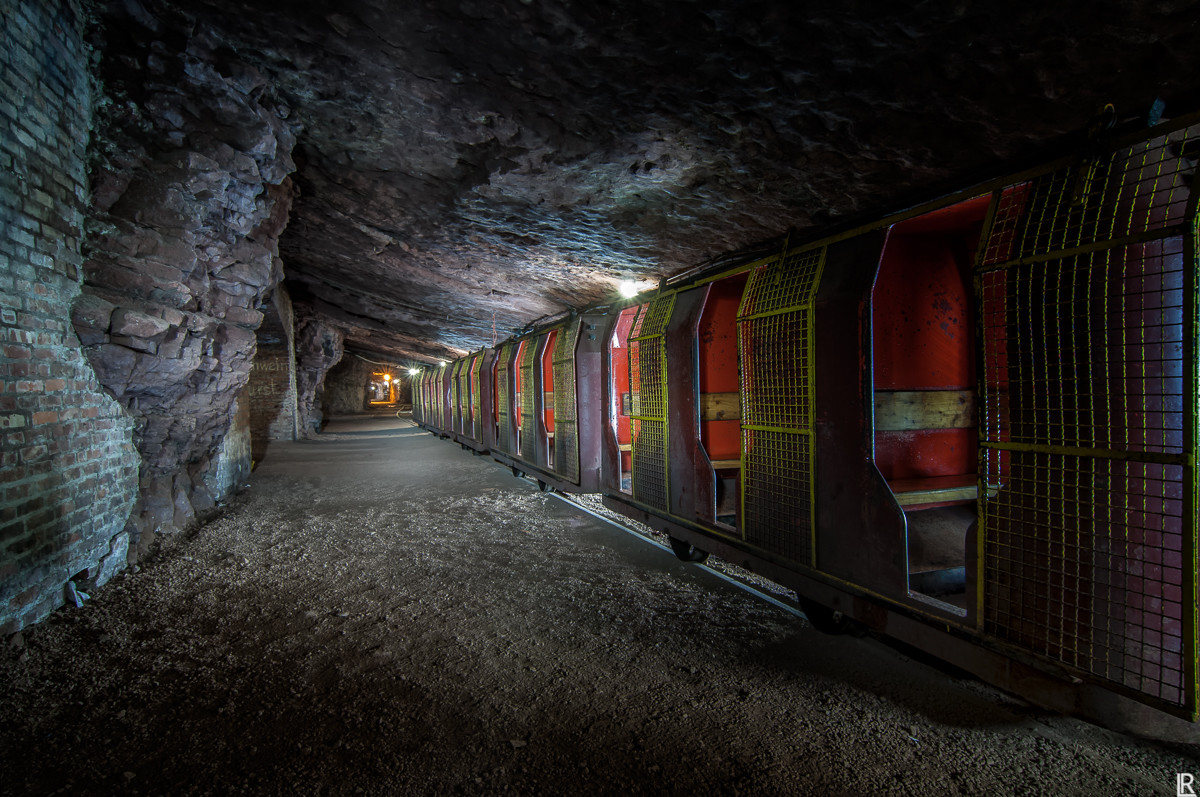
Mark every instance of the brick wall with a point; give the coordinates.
(68, 470)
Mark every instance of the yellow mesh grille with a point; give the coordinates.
(1085, 565)
(775, 324)
(1137, 190)
(456, 396)
(439, 397)
(648, 377)
(566, 427)
(504, 378)
(476, 410)
(1087, 350)
(1089, 397)
(528, 387)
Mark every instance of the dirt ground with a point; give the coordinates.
(384, 613)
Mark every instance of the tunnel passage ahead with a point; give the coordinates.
(385, 612)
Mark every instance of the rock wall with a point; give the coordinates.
(231, 466)
(272, 388)
(68, 469)
(345, 386)
(318, 349)
(190, 195)
(345, 390)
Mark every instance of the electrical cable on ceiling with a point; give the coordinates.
(373, 362)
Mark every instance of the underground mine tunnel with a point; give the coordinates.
(889, 308)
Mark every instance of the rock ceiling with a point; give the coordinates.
(464, 163)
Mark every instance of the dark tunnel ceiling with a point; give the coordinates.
(514, 157)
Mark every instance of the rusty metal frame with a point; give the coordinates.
(1070, 228)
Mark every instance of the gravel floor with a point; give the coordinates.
(383, 613)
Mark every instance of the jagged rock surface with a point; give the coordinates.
(464, 161)
(190, 194)
(318, 349)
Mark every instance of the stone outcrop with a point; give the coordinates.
(190, 195)
(345, 388)
(318, 348)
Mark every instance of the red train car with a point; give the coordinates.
(971, 426)
(547, 388)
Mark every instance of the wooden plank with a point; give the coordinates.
(727, 464)
(720, 407)
(904, 410)
(625, 446)
(937, 489)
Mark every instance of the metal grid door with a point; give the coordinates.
(648, 400)
(504, 397)
(566, 420)
(529, 419)
(775, 347)
(456, 397)
(1087, 291)
(476, 386)
(431, 398)
(438, 384)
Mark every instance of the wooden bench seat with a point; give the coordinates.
(727, 464)
(935, 490)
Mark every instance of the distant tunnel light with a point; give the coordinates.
(629, 289)
(414, 371)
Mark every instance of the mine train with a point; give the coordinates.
(969, 426)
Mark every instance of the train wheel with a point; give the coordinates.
(826, 620)
(545, 488)
(686, 552)
(516, 472)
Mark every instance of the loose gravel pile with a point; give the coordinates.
(382, 613)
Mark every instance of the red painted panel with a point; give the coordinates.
(924, 334)
(619, 352)
(926, 452)
(517, 398)
(718, 359)
(548, 378)
(496, 388)
(923, 324)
